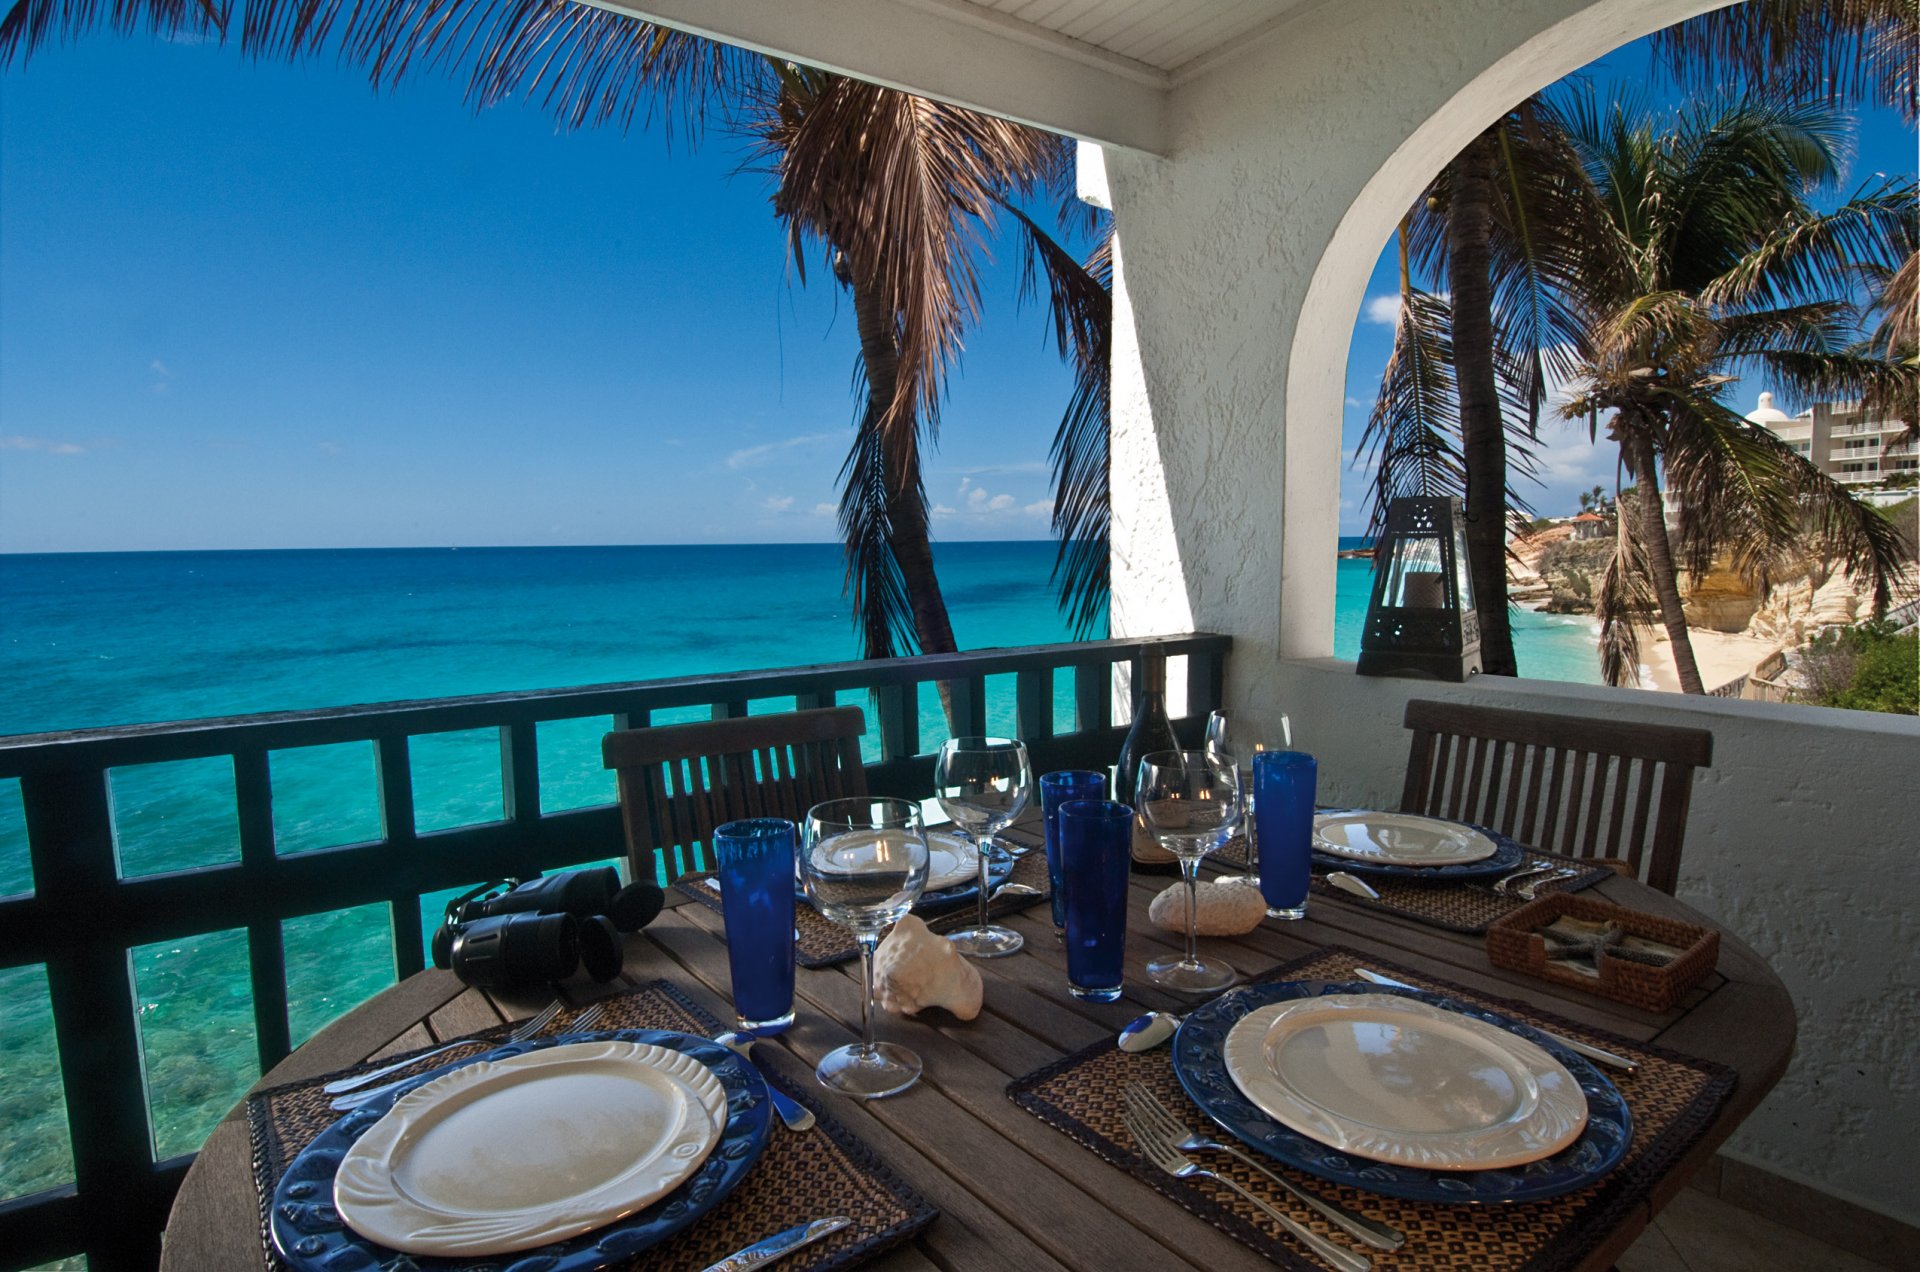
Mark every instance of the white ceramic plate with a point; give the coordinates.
(951, 860)
(1398, 1080)
(1399, 839)
(501, 1155)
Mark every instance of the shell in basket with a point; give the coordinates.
(913, 969)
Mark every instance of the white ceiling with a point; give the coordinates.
(1096, 69)
(1167, 35)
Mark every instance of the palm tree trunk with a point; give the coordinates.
(906, 501)
(1653, 534)
(1482, 432)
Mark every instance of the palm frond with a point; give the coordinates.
(1838, 49)
(1624, 600)
(31, 25)
(1080, 302)
(1804, 254)
(1412, 430)
(875, 583)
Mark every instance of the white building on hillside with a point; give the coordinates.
(1845, 444)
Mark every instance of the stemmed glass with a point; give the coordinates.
(1191, 803)
(982, 784)
(1224, 744)
(864, 865)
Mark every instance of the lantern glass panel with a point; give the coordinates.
(1416, 577)
(1463, 576)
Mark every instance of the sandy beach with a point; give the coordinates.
(1722, 656)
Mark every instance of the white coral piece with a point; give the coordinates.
(913, 969)
(1227, 907)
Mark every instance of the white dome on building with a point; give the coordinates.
(1767, 414)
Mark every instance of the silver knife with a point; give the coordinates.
(1596, 1054)
(780, 1244)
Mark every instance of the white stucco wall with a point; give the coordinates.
(1244, 258)
(1802, 840)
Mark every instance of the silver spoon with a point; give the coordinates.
(1144, 1033)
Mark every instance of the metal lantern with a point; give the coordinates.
(1421, 620)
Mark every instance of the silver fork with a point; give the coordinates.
(1154, 1115)
(521, 1032)
(1164, 1155)
(531, 1026)
(1504, 884)
(587, 1019)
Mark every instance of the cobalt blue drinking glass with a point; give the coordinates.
(1283, 783)
(1055, 790)
(1096, 851)
(756, 870)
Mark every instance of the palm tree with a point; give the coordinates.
(897, 193)
(1703, 258)
(1461, 394)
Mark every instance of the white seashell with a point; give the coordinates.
(1227, 907)
(913, 969)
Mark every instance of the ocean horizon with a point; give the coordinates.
(102, 639)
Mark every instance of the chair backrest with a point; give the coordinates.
(1567, 784)
(679, 781)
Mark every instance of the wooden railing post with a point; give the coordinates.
(266, 946)
(95, 1013)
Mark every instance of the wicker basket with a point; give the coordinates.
(1514, 942)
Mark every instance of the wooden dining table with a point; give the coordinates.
(1013, 1192)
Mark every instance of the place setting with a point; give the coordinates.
(638, 1126)
(1338, 1113)
(1447, 874)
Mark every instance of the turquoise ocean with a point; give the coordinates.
(92, 640)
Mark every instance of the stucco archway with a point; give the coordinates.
(1244, 258)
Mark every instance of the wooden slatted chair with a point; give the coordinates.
(678, 781)
(1581, 787)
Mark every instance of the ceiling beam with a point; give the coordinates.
(948, 50)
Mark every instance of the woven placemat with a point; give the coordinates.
(1673, 1099)
(1462, 907)
(801, 1177)
(822, 942)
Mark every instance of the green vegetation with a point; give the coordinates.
(1865, 668)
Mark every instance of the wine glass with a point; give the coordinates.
(1225, 743)
(1191, 803)
(864, 865)
(982, 784)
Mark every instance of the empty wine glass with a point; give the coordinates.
(864, 865)
(982, 784)
(1232, 742)
(1191, 803)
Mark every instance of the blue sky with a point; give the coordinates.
(252, 305)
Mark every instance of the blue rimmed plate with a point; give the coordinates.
(1507, 856)
(309, 1233)
(1200, 1063)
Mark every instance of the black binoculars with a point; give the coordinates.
(522, 933)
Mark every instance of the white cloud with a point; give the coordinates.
(1383, 311)
(941, 510)
(330, 448)
(45, 445)
(778, 503)
(1039, 508)
(976, 496)
(826, 510)
(1000, 503)
(759, 456)
(1354, 401)
(1029, 468)
(159, 368)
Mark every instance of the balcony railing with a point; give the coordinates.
(84, 916)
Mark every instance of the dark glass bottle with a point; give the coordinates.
(1152, 731)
